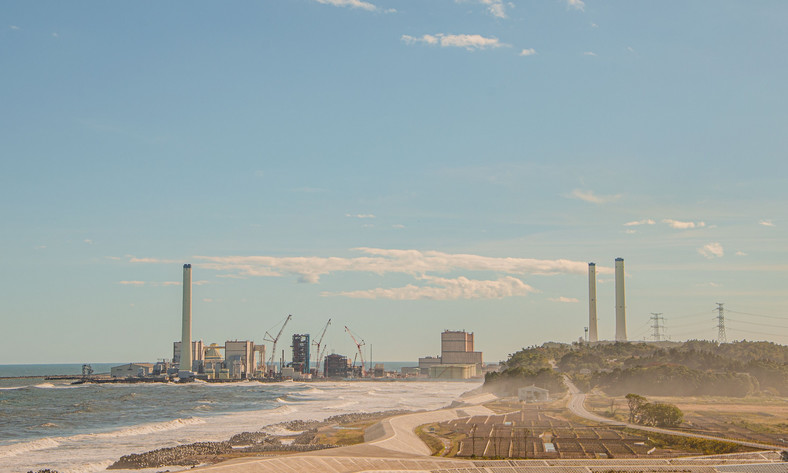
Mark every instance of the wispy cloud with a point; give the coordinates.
(568, 300)
(496, 8)
(709, 284)
(398, 226)
(382, 261)
(446, 289)
(349, 3)
(88, 241)
(590, 196)
(528, 52)
(576, 4)
(766, 223)
(677, 224)
(589, 53)
(711, 250)
(645, 221)
(133, 259)
(132, 283)
(13, 27)
(471, 42)
(360, 215)
(55, 35)
(741, 253)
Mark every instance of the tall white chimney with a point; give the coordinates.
(621, 306)
(186, 332)
(592, 333)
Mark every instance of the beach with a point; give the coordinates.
(86, 428)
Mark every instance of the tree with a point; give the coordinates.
(635, 402)
(661, 414)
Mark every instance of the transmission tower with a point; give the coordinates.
(721, 338)
(659, 324)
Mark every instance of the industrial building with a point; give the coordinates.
(131, 370)
(456, 351)
(197, 354)
(337, 366)
(300, 353)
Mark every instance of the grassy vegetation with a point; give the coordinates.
(434, 442)
(704, 446)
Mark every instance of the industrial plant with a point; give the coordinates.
(244, 359)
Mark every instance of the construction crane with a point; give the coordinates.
(318, 343)
(273, 340)
(358, 346)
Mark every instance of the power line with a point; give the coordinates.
(757, 323)
(760, 315)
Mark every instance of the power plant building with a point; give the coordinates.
(300, 353)
(336, 366)
(186, 359)
(196, 355)
(457, 349)
(239, 358)
(456, 353)
(131, 370)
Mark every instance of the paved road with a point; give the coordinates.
(577, 406)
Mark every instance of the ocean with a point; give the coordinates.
(85, 428)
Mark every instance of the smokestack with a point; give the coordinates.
(621, 306)
(186, 332)
(592, 333)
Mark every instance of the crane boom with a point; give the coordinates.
(358, 346)
(319, 342)
(273, 340)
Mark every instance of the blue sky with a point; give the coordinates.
(403, 167)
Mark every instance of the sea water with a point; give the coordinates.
(85, 428)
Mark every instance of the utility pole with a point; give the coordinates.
(721, 338)
(659, 323)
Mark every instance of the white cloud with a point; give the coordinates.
(169, 283)
(570, 300)
(349, 3)
(88, 241)
(630, 49)
(386, 261)
(360, 215)
(528, 52)
(446, 289)
(766, 223)
(13, 27)
(709, 284)
(132, 283)
(741, 253)
(589, 53)
(630, 231)
(594, 25)
(711, 250)
(55, 35)
(496, 8)
(398, 225)
(207, 300)
(133, 259)
(683, 225)
(471, 42)
(589, 196)
(645, 221)
(576, 4)
(40, 247)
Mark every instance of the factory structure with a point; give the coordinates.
(621, 306)
(457, 359)
(243, 359)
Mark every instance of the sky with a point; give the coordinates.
(401, 167)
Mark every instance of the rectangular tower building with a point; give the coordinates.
(592, 333)
(301, 353)
(186, 320)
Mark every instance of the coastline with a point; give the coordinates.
(94, 450)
